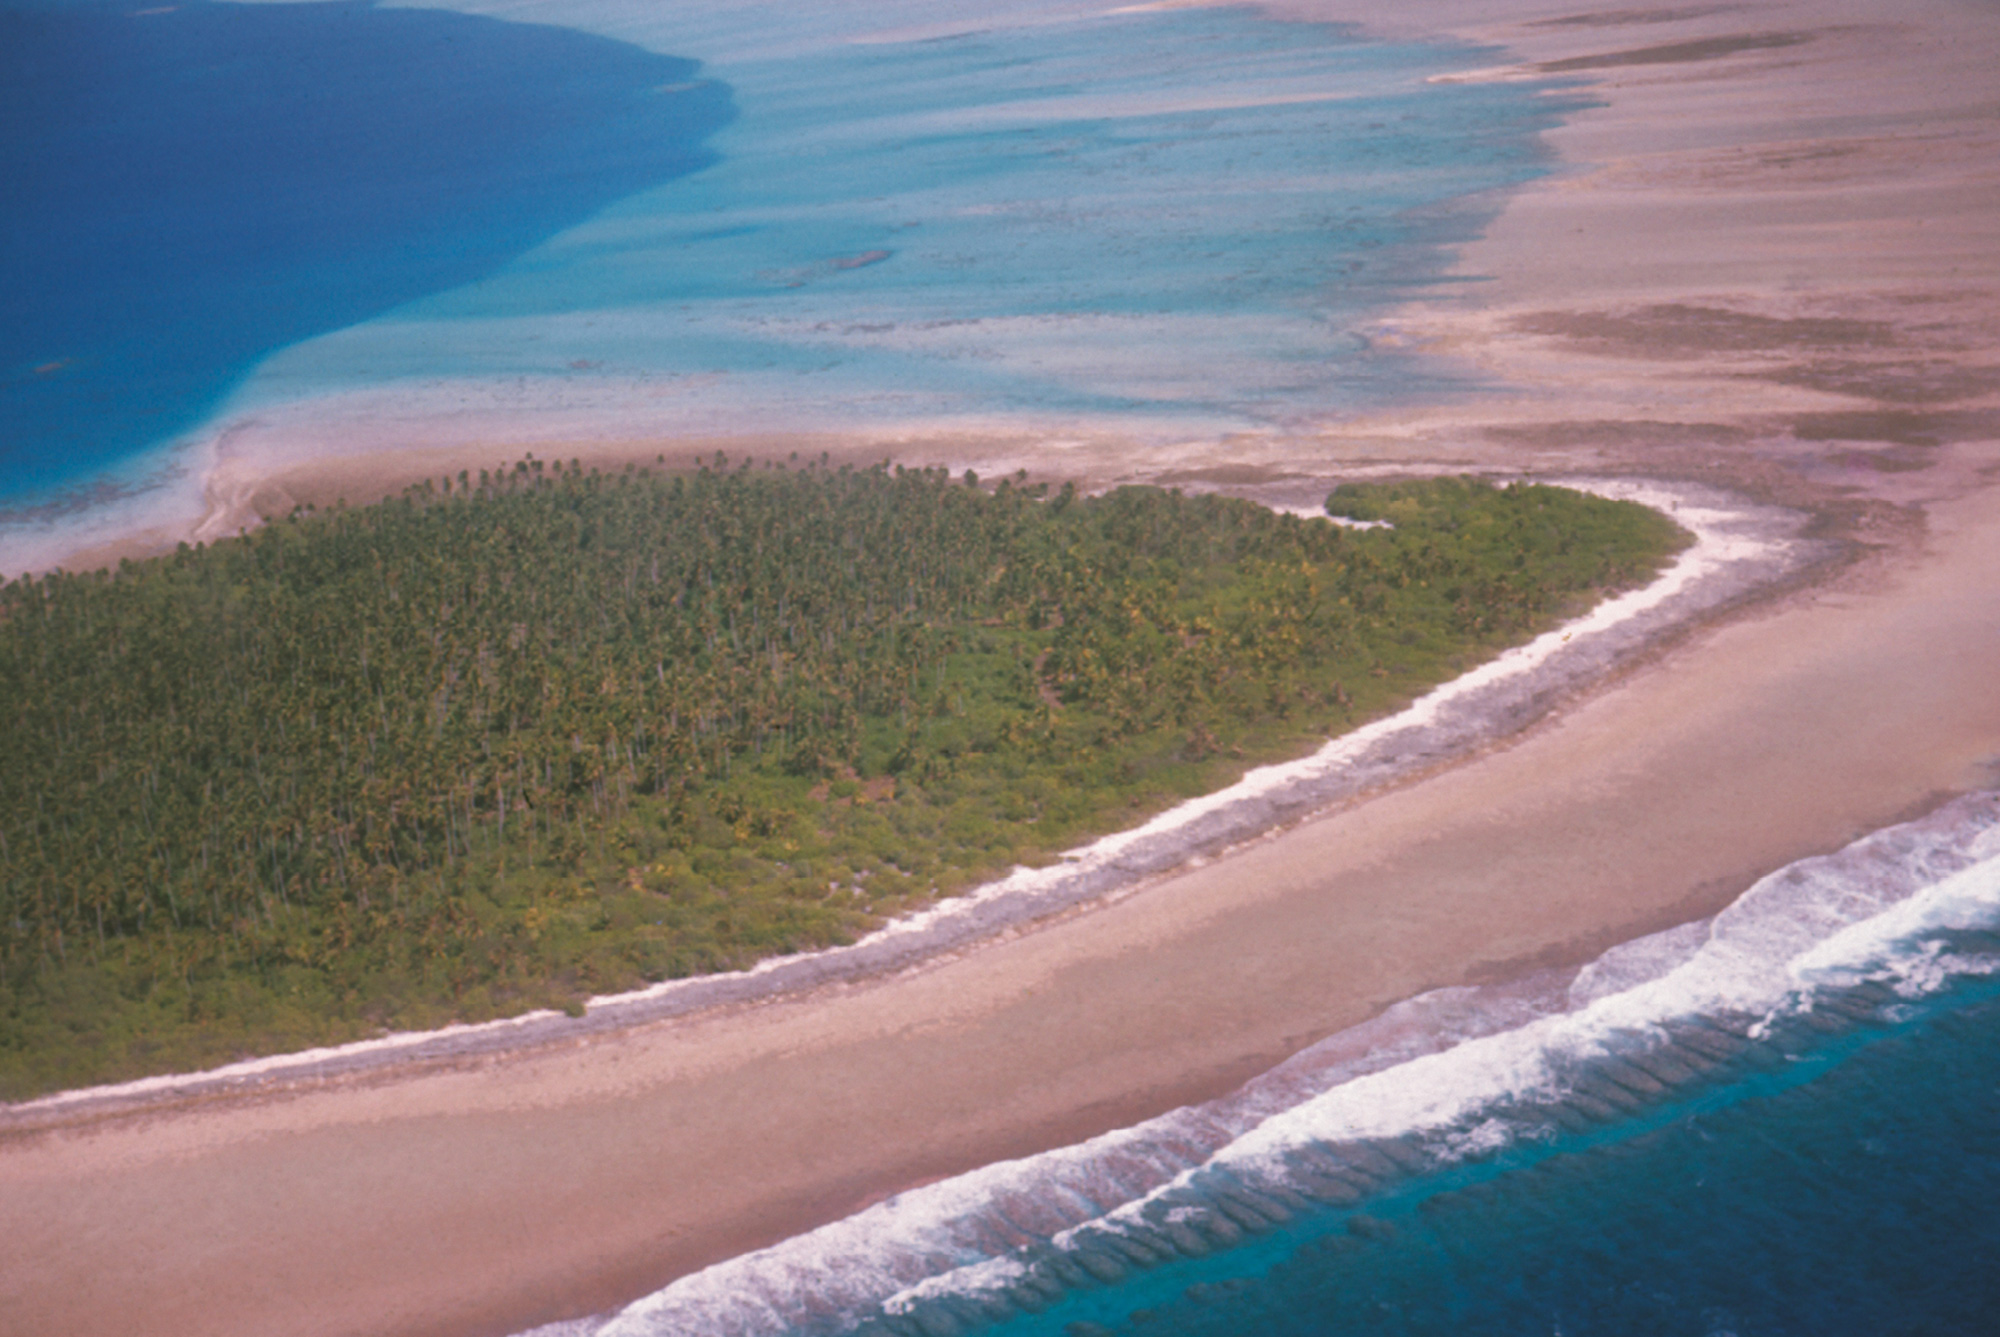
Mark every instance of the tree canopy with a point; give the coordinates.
(509, 739)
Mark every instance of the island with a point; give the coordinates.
(517, 739)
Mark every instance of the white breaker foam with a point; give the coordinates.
(1445, 1077)
(1739, 547)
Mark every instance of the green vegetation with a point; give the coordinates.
(543, 733)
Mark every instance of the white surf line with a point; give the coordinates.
(1713, 550)
(1825, 919)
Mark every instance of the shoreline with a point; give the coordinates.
(1365, 1123)
(371, 1204)
(371, 1198)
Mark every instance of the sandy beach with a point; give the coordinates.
(1771, 262)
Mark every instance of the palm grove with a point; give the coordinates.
(511, 739)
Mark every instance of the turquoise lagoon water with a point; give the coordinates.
(318, 227)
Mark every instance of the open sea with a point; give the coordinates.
(278, 230)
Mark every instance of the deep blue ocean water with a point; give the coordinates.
(1846, 1189)
(192, 186)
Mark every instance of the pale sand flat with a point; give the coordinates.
(559, 1182)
